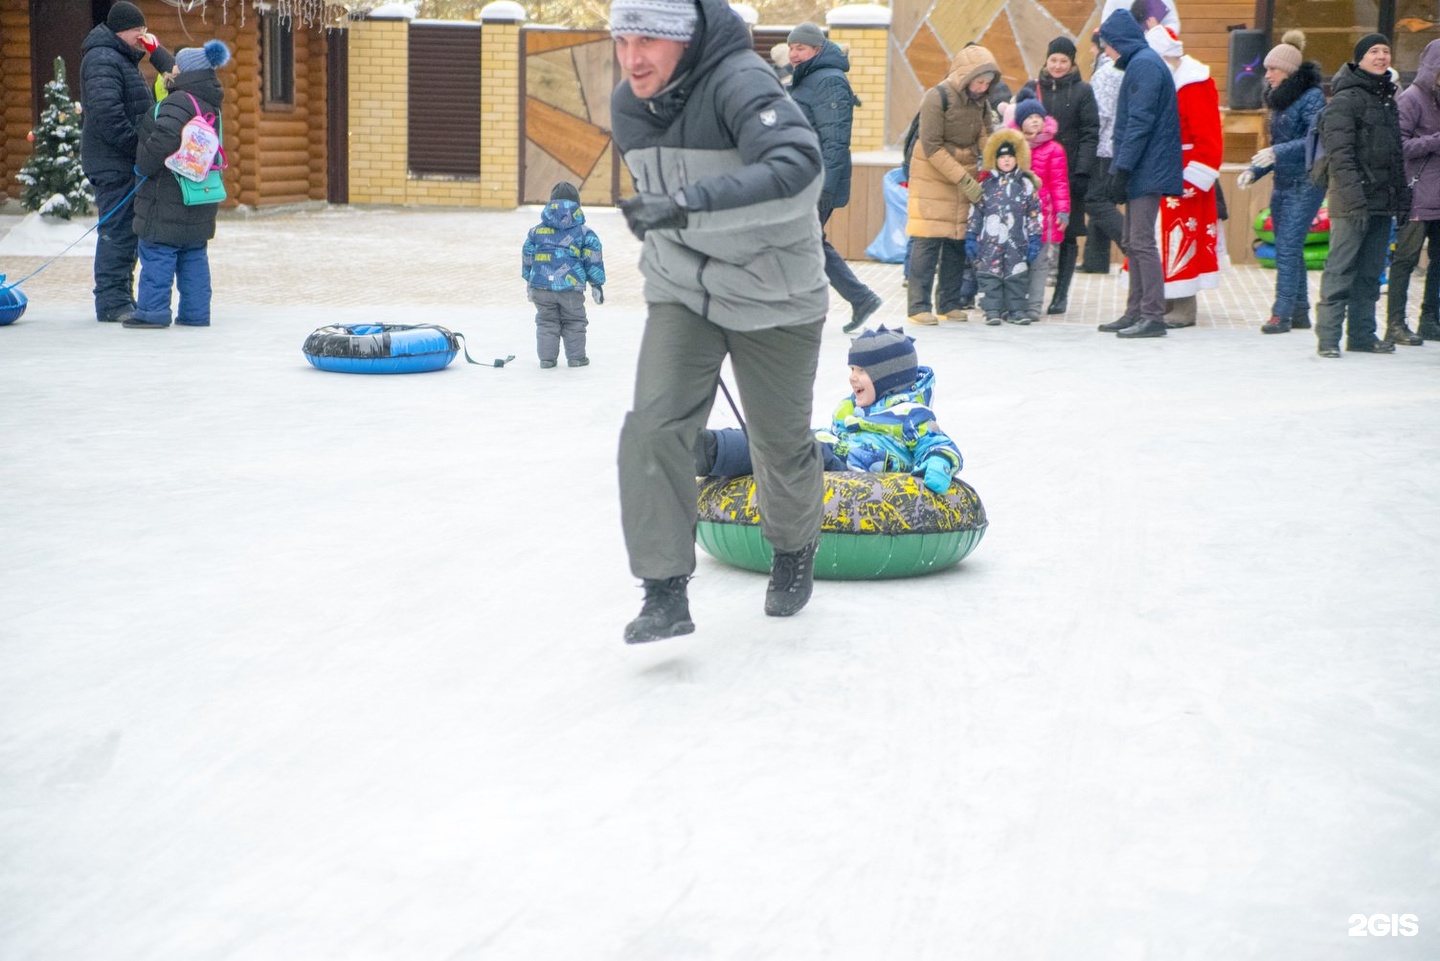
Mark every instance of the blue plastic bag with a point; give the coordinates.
(888, 247)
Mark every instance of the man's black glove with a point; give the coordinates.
(653, 212)
(1119, 189)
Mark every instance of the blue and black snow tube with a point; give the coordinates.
(12, 304)
(381, 348)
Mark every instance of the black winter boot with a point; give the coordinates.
(1064, 273)
(1119, 324)
(666, 612)
(792, 578)
(1275, 325)
(1301, 320)
(1429, 328)
(1400, 333)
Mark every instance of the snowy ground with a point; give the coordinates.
(297, 665)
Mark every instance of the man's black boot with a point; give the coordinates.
(792, 578)
(1118, 324)
(666, 612)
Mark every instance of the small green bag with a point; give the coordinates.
(211, 190)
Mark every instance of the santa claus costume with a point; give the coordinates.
(1189, 229)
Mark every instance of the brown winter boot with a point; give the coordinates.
(1400, 333)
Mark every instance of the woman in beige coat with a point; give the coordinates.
(942, 182)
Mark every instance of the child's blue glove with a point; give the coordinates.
(972, 249)
(597, 294)
(937, 474)
(1032, 249)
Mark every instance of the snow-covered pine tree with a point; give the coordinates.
(54, 183)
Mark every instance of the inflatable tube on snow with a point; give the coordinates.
(875, 526)
(381, 348)
(1319, 227)
(1314, 256)
(12, 304)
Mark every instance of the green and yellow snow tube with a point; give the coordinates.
(875, 526)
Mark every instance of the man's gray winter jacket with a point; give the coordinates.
(725, 134)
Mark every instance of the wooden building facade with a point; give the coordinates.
(284, 127)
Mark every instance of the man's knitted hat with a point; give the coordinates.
(1368, 41)
(1061, 45)
(807, 33)
(1030, 107)
(124, 16)
(564, 190)
(1288, 54)
(663, 19)
(213, 54)
(888, 356)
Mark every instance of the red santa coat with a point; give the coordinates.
(1189, 229)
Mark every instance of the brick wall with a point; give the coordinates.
(868, 49)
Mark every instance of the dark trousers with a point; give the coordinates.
(675, 382)
(1292, 209)
(1350, 286)
(1147, 273)
(1408, 243)
(1105, 225)
(115, 245)
(1007, 298)
(559, 317)
(837, 271)
(188, 270)
(930, 256)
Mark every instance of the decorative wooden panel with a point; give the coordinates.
(568, 78)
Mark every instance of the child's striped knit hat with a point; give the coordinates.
(888, 356)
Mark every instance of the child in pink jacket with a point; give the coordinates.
(1047, 161)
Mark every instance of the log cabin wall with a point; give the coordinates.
(15, 95)
(277, 154)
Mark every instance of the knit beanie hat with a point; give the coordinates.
(1031, 107)
(564, 190)
(1061, 45)
(1006, 149)
(663, 19)
(1368, 41)
(1287, 54)
(808, 34)
(888, 356)
(213, 54)
(124, 16)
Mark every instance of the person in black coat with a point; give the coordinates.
(173, 236)
(113, 98)
(1071, 102)
(823, 94)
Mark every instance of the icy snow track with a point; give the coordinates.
(301, 666)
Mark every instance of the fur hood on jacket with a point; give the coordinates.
(1013, 137)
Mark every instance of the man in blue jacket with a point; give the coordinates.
(113, 98)
(1146, 166)
(819, 86)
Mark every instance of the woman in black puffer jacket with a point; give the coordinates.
(1071, 102)
(173, 236)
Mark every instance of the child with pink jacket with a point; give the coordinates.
(1048, 162)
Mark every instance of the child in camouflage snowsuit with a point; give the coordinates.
(561, 256)
(886, 425)
(1003, 238)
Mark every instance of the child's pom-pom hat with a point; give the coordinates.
(888, 356)
(1030, 107)
(214, 54)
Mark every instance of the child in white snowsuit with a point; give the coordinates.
(561, 256)
(1003, 238)
(886, 425)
